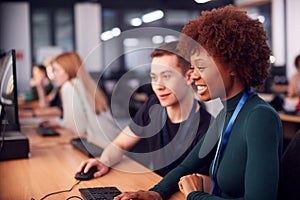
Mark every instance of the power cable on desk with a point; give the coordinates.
(61, 191)
(71, 197)
(2, 137)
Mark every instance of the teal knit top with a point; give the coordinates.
(249, 168)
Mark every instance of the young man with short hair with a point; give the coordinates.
(163, 130)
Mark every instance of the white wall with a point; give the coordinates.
(15, 34)
(87, 31)
(278, 32)
(293, 33)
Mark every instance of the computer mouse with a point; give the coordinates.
(44, 125)
(86, 176)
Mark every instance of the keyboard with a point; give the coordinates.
(46, 131)
(88, 148)
(99, 193)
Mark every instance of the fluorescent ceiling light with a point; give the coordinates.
(170, 38)
(107, 35)
(153, 16)
(201, 1)
(136, 21)
(116, 31)
(157, 39)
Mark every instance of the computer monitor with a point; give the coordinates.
(8, 92)
(13, 144)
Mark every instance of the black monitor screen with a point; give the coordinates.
(8, 91)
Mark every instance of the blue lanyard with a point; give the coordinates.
(223, 140)
(182, 133)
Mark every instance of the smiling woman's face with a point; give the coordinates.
(211, 79)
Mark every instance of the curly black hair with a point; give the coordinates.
(233, 39)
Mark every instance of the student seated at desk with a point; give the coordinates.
(229, 54)
(167, 126)
(42, 88)
(44, 98)
(294, 82)
(85, 109)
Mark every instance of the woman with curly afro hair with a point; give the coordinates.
(229, 55)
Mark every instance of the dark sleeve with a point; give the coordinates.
(264, 140)
(48, 88)
(34, 94)
(199, 156)
(290, 176)
(169, 184)
(263, 135)
(56, 101)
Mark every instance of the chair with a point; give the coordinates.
(289, 185)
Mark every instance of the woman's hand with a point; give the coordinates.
(195, 182)
(190, 183)
(139, 195)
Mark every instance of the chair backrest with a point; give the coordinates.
(289, 186)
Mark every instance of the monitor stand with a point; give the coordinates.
(15, 145)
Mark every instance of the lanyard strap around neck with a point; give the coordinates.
(223, 140)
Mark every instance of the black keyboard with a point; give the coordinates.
(88, 148)
(99, 193)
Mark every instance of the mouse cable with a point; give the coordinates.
(69, 190)
(71, 197)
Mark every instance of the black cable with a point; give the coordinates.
(2, 137)
(78, 197)
(69, 190)
(2, 131)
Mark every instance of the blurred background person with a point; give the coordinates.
(84, 105)
(294, 83)
(292, 101)
(41, 86)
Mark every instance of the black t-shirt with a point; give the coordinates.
(152, 150)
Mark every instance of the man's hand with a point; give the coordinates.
(88, 164)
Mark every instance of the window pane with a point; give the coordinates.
(41, 29)
(64, 29)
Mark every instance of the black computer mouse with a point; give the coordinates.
(86, 176)
(42, 125)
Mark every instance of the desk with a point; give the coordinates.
(28, 109)
(51, 168)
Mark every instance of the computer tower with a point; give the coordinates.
(14, 145)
